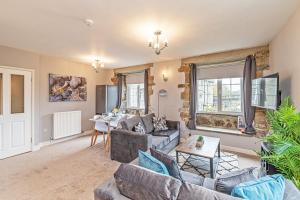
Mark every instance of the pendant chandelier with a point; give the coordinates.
(97, 64)
(158, 43)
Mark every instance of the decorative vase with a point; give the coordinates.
(199, 144)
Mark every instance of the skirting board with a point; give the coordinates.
(50, 142)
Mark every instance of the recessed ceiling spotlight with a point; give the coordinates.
(89, 22)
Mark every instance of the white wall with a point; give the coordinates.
(170, 104)
(285, 58)
(43, 65)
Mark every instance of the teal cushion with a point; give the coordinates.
(149, 162)
(265, 188)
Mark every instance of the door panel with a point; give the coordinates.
(18, 134)
(15, 120)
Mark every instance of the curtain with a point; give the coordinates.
(146, 97)
(193, 92)
(120, 88)
(249, 111)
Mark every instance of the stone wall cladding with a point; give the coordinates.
(262, 62)
(217, 121)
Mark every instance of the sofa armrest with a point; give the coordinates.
(125, 144)
(173, 124)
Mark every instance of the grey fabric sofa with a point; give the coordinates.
(125, 143)
(193, 188)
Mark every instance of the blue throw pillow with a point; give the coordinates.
(149, 162)
(265, 188)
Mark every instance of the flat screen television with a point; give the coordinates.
(265, 92)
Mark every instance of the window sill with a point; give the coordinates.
(222, 130)
(221, 113)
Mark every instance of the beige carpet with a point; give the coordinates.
(66, 171)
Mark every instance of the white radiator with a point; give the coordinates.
(66, 124)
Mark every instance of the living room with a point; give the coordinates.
(92, 92)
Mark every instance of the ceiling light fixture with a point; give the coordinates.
(97, 64)
(158, 43)
(89, 22)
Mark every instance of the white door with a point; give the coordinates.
(15, 112)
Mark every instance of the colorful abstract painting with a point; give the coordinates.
(67, 88)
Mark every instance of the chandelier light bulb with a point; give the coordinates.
(158, 43)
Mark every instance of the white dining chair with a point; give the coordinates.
(100, 127)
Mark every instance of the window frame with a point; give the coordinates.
(138, 96)
(219, 97)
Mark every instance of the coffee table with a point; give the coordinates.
(208, 151)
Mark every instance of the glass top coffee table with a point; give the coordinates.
(196, 156)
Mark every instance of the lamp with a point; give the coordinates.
(165, 77)
(161, 93)
(158, 43)
(97, 64)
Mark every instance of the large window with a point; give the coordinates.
(135, 96)
(219, 95)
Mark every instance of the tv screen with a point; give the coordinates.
(265, 92)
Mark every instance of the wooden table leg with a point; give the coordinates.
(93, 137)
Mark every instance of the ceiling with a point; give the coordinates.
(122, 27)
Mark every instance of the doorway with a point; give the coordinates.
(15, 112)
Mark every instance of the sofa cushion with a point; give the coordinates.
(225, 183)
(171, 134)
(130, 123)
(168, 161)
(139, 128)
(291, 192)
(265, 188)
(149, 162)
(160, 123)
(191, 191)
(159, 142)
(108, 191)
(139, 183)
(192, 178)
(148, 122)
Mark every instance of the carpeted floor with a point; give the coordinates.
(65, 171)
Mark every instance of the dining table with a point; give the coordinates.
(112, 122)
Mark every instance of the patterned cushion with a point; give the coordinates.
(149, 162)
(139, 128)
(148, 122)
(169, 162)
(225, 183)
(160, 123)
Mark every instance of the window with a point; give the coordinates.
(135, 96)
(219, 95)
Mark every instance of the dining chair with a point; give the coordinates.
(100, 127)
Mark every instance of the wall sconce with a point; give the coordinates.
(165, 78)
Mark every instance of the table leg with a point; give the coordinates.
(177, 159)
(211, 166)
(219, 150)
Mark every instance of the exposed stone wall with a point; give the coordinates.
(217, 121)
(262, 61)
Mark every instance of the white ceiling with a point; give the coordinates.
(122, 27)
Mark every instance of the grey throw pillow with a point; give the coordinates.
(169, 162)
(225, 183)
(139, 183)
(148, 122)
